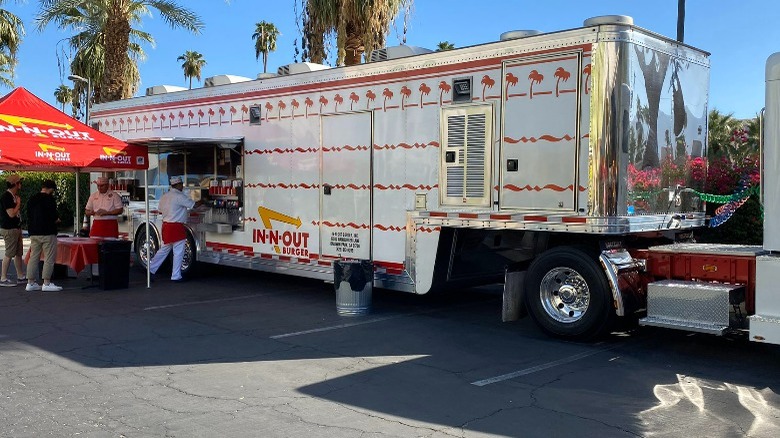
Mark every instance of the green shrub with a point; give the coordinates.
(65, 194)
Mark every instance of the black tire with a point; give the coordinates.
(190, 251)
(140, 247)
(567, 294)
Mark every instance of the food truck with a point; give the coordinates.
(567, 156)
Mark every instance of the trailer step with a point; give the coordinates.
(691, 305)
(683, 325)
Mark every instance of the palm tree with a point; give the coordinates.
(720, 126)
(358, 26)
(11, 33)
(444, 46)
(192, 64)
(653, 65)
(536, 78)
(63, 95)
(88, 20)
(112, 20)
(265, 41)
(511, 81)
(560, 75)
(680, 20)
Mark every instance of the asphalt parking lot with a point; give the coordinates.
(237, 353)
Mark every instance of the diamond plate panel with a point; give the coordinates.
(689, 302)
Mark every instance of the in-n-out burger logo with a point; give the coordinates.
(41, 128)
(289, 242)
(115, 156)
(52, 153)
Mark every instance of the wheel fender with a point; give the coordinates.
(152, 231)
(617, 263)
(191, 235)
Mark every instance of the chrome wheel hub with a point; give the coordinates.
(564, 294)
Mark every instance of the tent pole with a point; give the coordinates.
(148, 240)
(78, 204)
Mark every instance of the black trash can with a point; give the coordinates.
(114, 264)
(354, 282)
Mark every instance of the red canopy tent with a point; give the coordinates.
(36, 136)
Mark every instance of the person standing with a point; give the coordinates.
(11, 230)
(104, 206)
(174, 206)
(42, 220)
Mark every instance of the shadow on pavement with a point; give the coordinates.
(419, 355)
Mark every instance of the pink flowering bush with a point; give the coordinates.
(698, 172)
(736, 168)
(672, 173)
(646, 180)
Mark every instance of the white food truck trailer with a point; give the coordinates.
(566, 156)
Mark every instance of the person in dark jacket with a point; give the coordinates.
(42, 220)
(11, 230)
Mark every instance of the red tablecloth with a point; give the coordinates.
(76, 252)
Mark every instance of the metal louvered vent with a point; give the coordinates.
(465, 171)
(455, 177)
(475, 157)
(456, 142)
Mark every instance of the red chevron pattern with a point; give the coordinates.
(350, 186)
(347, 148)
(429, 230)
(389, 228)
(405, 186)
(544, 137)
(434, 144)
(554, 187)
(280, 151)
(282, 186)
(363, 226)
(345, 225)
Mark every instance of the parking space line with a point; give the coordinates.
(544, 366)
(192, 303)
(350, 324)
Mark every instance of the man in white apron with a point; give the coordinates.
(174, 206)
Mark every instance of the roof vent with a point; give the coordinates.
(300, 67)
(515, 34)
(223, 80)
(266, 75)
(162, 89)
(609, 19)
(395, 52)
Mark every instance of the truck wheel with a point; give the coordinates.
(567, 294)
(144, 251)
(189, 259)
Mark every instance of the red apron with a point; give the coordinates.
(104, 228)
(173, 232)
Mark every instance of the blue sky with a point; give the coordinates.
(739, 35)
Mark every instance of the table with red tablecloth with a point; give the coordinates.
(76, 252)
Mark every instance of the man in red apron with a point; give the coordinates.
(174, 206)
(104, 206)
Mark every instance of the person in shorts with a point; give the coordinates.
(11, 230)
(42, 220)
